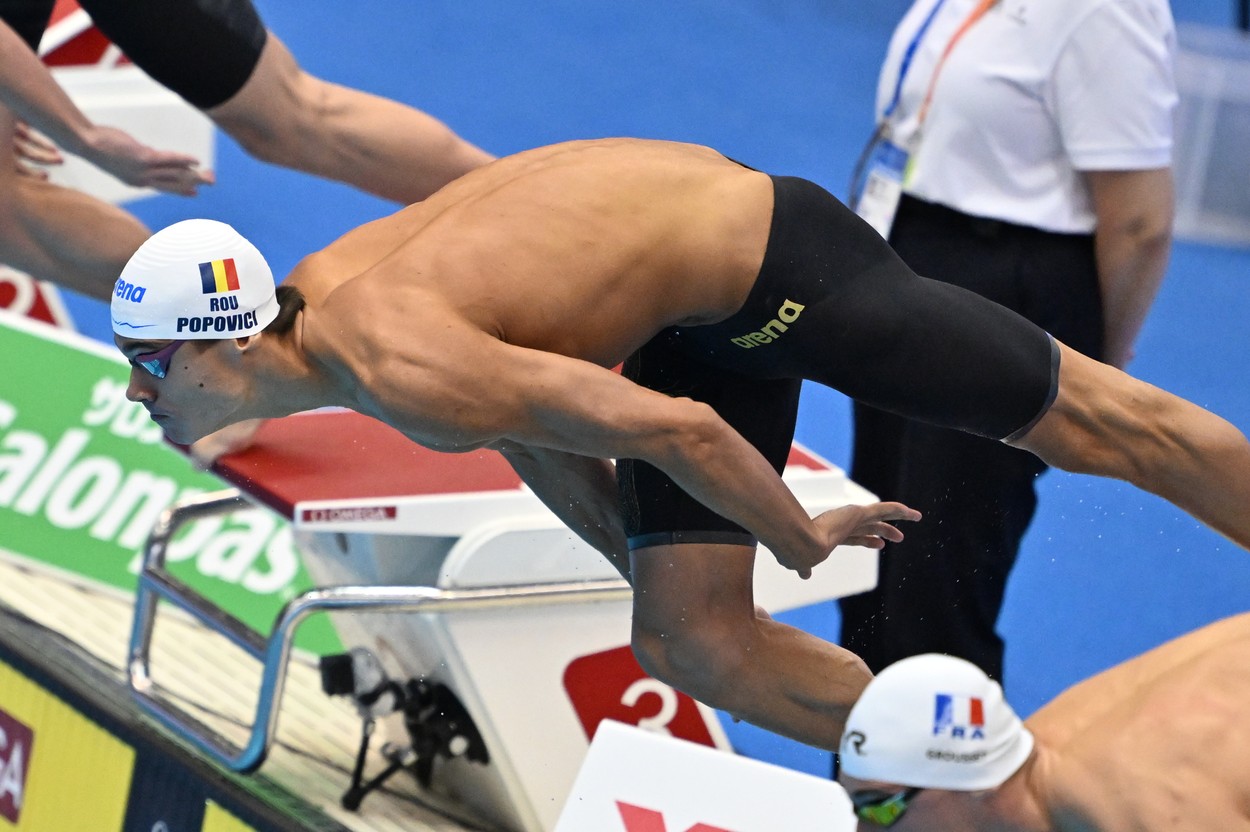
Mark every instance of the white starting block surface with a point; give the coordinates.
(372, 508)
(639, 781)
(338, 475)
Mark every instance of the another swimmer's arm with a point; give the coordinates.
(580, 490)
(30, 91)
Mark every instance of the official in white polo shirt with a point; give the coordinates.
(1023, 151)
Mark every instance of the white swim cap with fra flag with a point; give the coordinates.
(936, 722)
(195, 279)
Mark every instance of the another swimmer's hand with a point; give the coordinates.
(33, 150)
(137, 164)
(868, 525)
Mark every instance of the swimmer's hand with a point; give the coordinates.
(868, 525)
(137, 164)
(230, 439)
(33, 150)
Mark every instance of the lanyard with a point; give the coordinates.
(908, 54)
(977, 13)
(896, 161)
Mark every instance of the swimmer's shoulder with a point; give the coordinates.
(353, 255)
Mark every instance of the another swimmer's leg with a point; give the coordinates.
(696, 628)
(1108, 423)
(285, 116)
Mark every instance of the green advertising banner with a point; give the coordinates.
(84, 474)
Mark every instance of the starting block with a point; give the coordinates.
(449, 571)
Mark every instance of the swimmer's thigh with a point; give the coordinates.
(934, 352)
(204, 50)
(658, 512)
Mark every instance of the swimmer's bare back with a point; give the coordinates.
(585, 249)
(1165, 727)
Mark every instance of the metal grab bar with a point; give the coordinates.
(155, 584)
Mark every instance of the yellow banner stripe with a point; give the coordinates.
(79, 776)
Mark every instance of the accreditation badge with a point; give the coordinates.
(884, 171)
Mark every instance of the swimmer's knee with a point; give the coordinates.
(270, 116)
(1107, 423)
(701, 661)
(265, 133)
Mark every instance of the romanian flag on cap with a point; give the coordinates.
(219, 276)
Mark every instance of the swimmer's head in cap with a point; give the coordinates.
(935, 722)
(196, 279)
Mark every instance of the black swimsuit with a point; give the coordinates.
(204, 50)
(834, 304)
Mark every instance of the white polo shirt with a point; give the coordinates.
(1034, 92)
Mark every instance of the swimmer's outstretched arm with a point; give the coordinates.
(580, 490)
(477, 391)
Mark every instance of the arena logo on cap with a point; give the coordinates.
(129, 291)
(959, 717)
(219, 276)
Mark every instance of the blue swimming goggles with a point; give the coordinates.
(157, 363)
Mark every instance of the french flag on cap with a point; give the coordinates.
(959, 717)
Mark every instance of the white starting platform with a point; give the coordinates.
(452, 573)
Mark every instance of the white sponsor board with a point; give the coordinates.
(638, 781)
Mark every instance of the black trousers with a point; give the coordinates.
(941, 589)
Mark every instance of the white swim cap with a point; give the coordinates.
(937, 722)
(196, 279)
